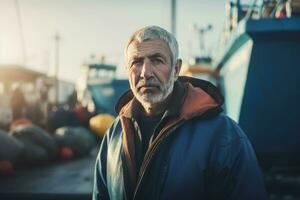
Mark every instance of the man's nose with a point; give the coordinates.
(147, 69)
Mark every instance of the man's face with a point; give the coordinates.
(151, 74)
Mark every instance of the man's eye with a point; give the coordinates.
(157, 61)
(136, 63)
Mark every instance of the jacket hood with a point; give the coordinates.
(199, 97)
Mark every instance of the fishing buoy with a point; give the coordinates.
(18, 122)
(100, 123)
(66, 153)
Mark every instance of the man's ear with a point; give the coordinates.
(177, 67)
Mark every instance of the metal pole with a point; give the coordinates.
(173, 17)
(202, 31)
(201, 42)
(19, 17)
(56, 73)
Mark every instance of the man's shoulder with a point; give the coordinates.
(221, 126)
(219, 119)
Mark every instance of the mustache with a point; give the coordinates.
(148, 83)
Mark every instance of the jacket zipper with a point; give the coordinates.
(151, 153)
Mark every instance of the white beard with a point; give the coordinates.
(147, 99)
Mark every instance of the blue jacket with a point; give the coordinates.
(198, 153)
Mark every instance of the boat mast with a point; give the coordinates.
(173, 17)
(57, 39)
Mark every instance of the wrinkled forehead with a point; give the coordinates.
(147, 48)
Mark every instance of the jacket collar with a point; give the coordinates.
(190, 97)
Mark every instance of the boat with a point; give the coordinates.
(99, 89)
(259, 68)
(201, 66)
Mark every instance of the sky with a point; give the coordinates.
(98, 28)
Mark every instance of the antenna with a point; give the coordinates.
(57, 39)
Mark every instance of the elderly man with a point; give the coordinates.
(170, 140)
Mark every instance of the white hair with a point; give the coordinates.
(153, 33)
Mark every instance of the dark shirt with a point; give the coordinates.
(147, 125)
